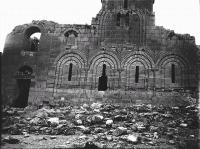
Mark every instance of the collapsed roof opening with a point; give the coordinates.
(33, 35)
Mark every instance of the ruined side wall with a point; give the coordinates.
(90, 48)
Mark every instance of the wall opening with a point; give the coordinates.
(127, 19)
(137, 74)
(35, 41)
(23, 78)
(103, 80)
(118, 19)
(70, 72)
(71, 37)
(33, 35)
(125, 4)
(173, 73)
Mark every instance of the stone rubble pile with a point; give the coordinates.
(130, 125)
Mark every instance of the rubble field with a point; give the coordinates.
(100, 125)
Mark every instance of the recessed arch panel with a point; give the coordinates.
(63, 67)
(141, 62)
(180, 70)
(96, 66)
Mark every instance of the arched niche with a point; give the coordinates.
(104, 68)
(173, 71)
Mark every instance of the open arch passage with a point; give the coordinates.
(32, 36)
(23, 78)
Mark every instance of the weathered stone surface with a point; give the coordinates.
(132, 139)
(67, 61)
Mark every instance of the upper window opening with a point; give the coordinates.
(33, 35)
(125, 4)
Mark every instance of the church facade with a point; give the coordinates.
(122, 53)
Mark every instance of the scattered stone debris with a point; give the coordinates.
(10, 140)
(105, 125)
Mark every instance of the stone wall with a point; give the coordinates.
(119, 38)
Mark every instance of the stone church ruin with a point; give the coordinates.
(122, 53)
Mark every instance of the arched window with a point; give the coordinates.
(125, 4)
(173, 73)
(32, 36)
(137, 74)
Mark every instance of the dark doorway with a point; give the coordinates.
(103, 80)
(125, 4)
(23, 79)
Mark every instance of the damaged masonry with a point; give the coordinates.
(120, 82)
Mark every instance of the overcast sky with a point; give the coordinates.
(183, 16)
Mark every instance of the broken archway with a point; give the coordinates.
(32, 36)
(23, 78)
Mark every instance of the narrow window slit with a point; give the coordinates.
(70, 72)
(137, 74)
(173, 77)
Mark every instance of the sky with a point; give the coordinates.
(182, 16)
